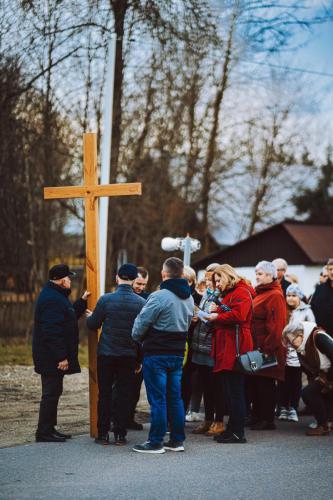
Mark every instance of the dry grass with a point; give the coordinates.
(18, 352)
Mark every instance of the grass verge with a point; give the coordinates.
(18, 352)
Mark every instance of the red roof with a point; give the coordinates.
(315, 240)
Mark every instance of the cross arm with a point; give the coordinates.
(126, 189)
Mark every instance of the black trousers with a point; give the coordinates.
(234, 394)
(135, 396)
(262, 393)
(191, 386)
(52, 387)
(114, 373)
(213, 393)
(290, 390)
(320, 404)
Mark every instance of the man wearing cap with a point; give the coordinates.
(117, 354)
(55, 346)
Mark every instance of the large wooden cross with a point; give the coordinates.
(91, 191)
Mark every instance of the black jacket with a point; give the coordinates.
(117, 312)
(56, 332)
(322, 306)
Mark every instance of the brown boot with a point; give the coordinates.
(202, 428)
(321, 430)
(215, 429)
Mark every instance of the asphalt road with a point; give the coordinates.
(282, 464)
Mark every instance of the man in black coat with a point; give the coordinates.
(117, 354)
(322, 302)
(55, 346)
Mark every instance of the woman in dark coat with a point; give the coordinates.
(270, 317)
(234, 313)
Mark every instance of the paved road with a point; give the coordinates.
(282, 464)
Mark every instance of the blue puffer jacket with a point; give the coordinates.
(116, 312)
(56, 332)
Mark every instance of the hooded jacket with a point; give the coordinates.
(316, 350)
(163, 323)
(302, 313)
(270, 317)
(224, 351)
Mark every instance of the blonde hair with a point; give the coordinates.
(232, 277)
(189, 274)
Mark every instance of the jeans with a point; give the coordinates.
(162, 375)
(114, 373)
(234, 392)
(52, 386)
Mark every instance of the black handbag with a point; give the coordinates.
(252, 361)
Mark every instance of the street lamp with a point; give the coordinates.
(187, 245)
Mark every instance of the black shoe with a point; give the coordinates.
(231, 439)
(174, 445)
(49, 438)
(135, 426)
(263, 426)
(61, 435)
(224, 434)
(149, 447)
(102, 439)
(119, 440)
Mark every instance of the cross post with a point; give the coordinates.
(91, 191)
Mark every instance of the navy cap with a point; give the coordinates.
(128, 272)
(60, 271)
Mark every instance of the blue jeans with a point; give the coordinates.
(162, 376)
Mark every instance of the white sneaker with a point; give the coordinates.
(188, 417)
(313, 425)
(283, 414)
(196, 417)
(292, 415)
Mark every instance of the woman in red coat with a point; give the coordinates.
(269, 320)
(234, 312)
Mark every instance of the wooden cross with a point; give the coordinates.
(91, 191)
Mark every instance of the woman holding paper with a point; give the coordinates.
(234, 312)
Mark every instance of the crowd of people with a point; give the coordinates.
(185, 341)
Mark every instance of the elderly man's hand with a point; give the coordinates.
(86, 295)
(63, 365)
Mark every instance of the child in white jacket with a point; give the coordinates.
(290, 389)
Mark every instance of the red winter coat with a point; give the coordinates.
(239, 299)
(270, 317)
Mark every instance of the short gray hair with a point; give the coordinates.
(278, 263)
(291, 330)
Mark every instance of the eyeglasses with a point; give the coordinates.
(292, 342)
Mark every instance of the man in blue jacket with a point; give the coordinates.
(55, 346)
(117, 354)
(162, 326)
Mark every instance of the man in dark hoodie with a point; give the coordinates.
(162, 326)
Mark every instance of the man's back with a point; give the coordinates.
(164, 322)
(116, 312)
